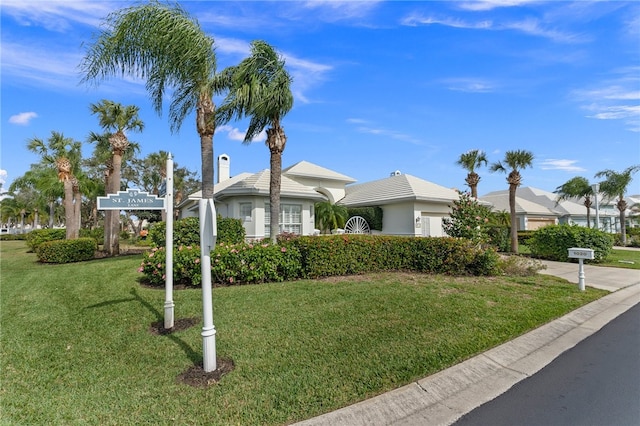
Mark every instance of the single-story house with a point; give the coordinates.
(536, 208)
(411, 206)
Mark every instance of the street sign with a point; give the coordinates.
(131, 199)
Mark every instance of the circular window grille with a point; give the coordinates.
(356, 225)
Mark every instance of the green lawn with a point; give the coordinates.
(623, 259)
(76, 347)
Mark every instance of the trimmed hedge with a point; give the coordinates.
(39, 236)
(66, 251)
(314, 257)
(553, 242)
(186, 232)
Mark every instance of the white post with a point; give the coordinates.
(581, 275)
(168, 299)
(596, 188)
(207, 243)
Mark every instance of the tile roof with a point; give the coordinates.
(307, 169)
(258, 184)
(397, 188)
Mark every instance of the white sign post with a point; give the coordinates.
(581, 254)
(168, 298)
(208, 233)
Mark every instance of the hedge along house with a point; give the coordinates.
(246, 197)
(410, 206)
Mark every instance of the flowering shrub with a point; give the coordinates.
(469, 220)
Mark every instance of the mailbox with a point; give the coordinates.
(581, 253)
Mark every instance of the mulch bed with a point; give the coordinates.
(195, 376)
(157, 328)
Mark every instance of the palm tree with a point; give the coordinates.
(577, 187)
(165, 46)
(516, 161)
(260, 88)
(615, 185)
(64, 153)
(44, 181)
(330, 216)
(119, 119)
(469, 161)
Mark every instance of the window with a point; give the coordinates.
(245, 212)
(290, 219)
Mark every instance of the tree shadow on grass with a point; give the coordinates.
(157, 327)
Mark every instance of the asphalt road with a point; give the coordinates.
(597, 383)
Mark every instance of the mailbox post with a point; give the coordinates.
(580, 254)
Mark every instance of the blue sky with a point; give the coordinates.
(379, 86)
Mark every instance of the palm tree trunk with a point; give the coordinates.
(206, 128)
(274, 193)
(68, 208)
(77, 212)
(113, 249)
(514, 220)
(622, 206)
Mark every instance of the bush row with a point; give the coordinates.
(552, 242)
(314, 257)
(186, 231)
(65, 251)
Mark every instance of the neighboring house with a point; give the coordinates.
(246, 197)
(411, 206)
(536, 208)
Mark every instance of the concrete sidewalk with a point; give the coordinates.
(444, 397)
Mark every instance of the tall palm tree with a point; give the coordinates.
(469, 161)
(577, 187)
(64, 154)
(165, 46)
(260, 88)
(113, 117)
(615, 185)
(330, 216)
(515, 161)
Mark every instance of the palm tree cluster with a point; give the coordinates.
(614, 186)
(165, 46)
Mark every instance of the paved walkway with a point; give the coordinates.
(446, 396)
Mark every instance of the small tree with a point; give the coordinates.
(330, 216)
(468, 219)
(616, 185)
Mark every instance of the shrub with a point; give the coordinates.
(468, 219)
(65, 251)
(96, 233)
(39, 236)
(230, 264)
(186, 232)
(552, 242)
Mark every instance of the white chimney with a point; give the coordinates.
(223, 167)
(396, 173)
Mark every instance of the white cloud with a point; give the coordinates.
(57, 15)
(482, 5)
(565, 165)
(336, 10)
(3, 177)
(236, 134)
(614, 99)
(531, 27)
(23, 118)
(364, 126)
(470, 85)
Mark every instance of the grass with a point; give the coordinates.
(629, 259)
(76, 347)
